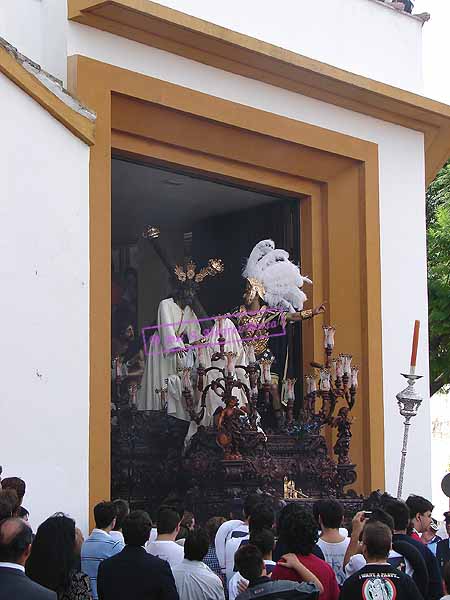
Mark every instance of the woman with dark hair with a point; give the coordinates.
(280, 546)
(54, 561)
(298, 533)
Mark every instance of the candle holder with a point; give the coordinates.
(409, 402)
(290, 398)
(333, 387)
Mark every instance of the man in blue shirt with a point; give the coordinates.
(100, 545)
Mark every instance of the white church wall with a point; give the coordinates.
(360, 36)
(21, 26)
(402, 184)
(37, 28)
(44, 307)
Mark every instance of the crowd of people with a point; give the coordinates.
(266, 548)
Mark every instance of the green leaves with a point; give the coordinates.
(438, 240)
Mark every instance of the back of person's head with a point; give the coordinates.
(418, 504)
(212, 526)
(15, 540)
(330, 514)
(447, 577)
(23, 513)
(264, 540)
(168, 520)
(53, 554)
(298, 531)
(122, 511)
(399, 511)
(9, 503)
(377, 499)
(287, 511)
(188, 520)
(248, 560)
(196, 544)
(377, 540)
(104, 514)
(381, 516)
(136, 528)
(174, 502)
(186, 525)
(16, 484)
(261, 517)
(250, 502)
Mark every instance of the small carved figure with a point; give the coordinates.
(343, 424)
(229, 428)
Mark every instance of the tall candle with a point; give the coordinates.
(415, 344)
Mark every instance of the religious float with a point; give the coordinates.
(213, 415)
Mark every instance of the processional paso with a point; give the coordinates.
(227, 378)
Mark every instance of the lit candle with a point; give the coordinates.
(250, 353)
(231, 362)
(414, 347)
(328, 336)
(324, 380)
(354, 379)
(118, 367)
(339, 369)
(290, 393)
(308, 384)
(346, 363)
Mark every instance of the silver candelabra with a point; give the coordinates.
(409, 402)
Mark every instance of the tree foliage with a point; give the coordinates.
(438, 235)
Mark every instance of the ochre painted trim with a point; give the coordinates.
(79, 125)
(340, 223)
(155, 25)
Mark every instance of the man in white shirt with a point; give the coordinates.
(331, 542)
(195, 580)
(165, 546)
(257, 508)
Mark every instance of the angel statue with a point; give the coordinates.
(273, 298)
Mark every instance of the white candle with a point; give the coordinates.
(354, 380)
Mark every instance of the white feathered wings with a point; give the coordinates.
(280, 277)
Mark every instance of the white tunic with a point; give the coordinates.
(164, 366)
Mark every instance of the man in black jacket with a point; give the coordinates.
(443, 547)
(15, 547)
(133, 573)
(250, 564)
(401, 514)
